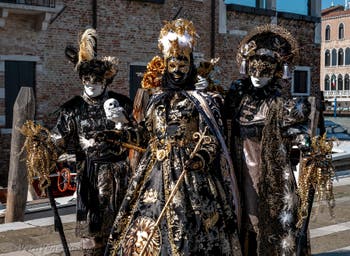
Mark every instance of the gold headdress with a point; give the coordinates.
(268, 40)
(177, 37)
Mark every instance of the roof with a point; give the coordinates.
(334, 11)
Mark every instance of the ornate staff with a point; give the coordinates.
(202, 139)
(118, 142)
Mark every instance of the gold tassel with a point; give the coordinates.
(317, 171)
(41, 153)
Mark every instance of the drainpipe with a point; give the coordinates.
(212, 32)
(94, 14)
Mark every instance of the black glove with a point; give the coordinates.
(196, 163)
(113, 136)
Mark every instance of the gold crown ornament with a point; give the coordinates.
(271, 41)
(177, 38)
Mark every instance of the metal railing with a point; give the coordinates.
(336, 93)
(45, 3)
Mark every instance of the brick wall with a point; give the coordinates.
(128, 30)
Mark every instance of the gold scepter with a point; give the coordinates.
(128, 145)
(125, 144)
(202, 139)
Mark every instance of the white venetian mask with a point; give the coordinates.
(259, 82)
(93, 90)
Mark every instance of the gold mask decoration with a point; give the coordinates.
(261, 68)
(175, 65)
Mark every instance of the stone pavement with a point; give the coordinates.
(37, 237)
(329, 237)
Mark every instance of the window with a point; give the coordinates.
(301, 81)
(334, 57)
(347, 56)
(151, 1)
(295, 6)
(326, 83)
(340, 82)
(341, 31)
(340, 57)
(250, 3)
(346, 83)
(328, 33)
(333, 83)
(17, 74)
(327, 58)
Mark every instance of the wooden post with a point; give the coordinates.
(23, 110)
(314, 116)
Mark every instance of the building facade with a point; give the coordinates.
(34, 35)
(335, 58)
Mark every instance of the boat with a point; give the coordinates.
(63, 180)
(63, 184)
(336, 131)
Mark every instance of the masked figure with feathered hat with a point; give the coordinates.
(90, 125)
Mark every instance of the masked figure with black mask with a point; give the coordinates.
(182, 199)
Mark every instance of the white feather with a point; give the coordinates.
(87, 45)
(183, 40)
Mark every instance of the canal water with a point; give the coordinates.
(343, 121)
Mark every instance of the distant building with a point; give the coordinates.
(335, 57)
(35, 33)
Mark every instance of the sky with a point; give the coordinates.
(327, 3)
(295, 6)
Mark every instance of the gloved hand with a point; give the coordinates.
(196, 163)
(114, 136)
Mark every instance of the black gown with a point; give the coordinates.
(102, 167)
(201, 218)
(264, 127)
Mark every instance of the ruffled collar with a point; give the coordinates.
(95, 100)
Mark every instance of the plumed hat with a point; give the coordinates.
(86, 62)
(177, 37)
(269, 40)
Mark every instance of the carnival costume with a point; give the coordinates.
(83, 125)
(181, 199)
(265, 126)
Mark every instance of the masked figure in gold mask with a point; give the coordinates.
(265, 125)
(183, 197)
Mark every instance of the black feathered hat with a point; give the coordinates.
(87, 64)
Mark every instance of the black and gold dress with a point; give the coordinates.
(201, 217)
(265, 126)
(102, 167)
